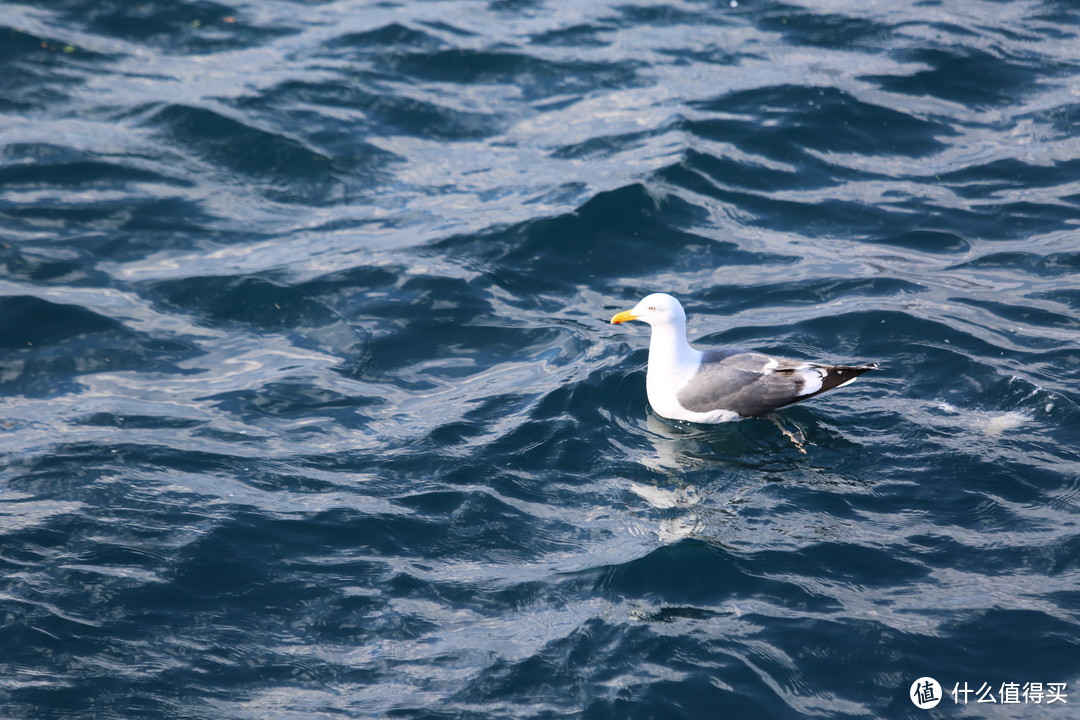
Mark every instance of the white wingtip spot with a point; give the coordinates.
(812, 378)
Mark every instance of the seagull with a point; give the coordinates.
(715, 386)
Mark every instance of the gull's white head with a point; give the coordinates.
(655, 309)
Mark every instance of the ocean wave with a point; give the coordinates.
(312, 405)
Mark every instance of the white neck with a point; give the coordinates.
(669, 353)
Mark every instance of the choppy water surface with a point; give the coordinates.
(310, 407)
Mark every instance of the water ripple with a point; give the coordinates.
(311, 405)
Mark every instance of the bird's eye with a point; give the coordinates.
(652, 308)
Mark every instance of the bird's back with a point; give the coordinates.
(752, 383)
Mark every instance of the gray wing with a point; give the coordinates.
(750, 383)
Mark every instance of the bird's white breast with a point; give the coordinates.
(662, 385)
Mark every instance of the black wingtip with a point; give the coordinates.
(838, 375)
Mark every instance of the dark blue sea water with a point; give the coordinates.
(309, 405)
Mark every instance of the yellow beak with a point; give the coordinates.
(623, 317)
